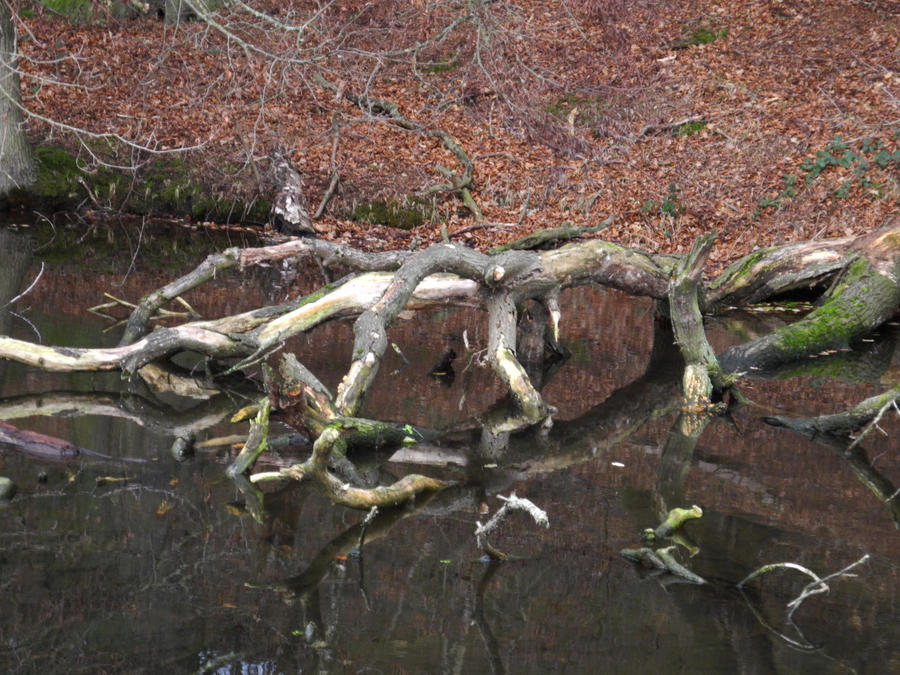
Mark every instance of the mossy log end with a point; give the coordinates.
(674, 520)
(863, 299)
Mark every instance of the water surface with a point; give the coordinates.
(169, 571)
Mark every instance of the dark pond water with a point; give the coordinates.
(169, 571)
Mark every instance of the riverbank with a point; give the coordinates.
(674, 118)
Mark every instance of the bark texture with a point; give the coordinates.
(864, 293)
(16, 161)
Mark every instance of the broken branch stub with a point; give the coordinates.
(290, 212)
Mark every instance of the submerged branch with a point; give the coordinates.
(816, 586)
(316, 469)
(661, 559)
(511, 503)
(257, 441)
(843, 423)
(676, 518)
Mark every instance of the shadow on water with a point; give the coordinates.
(116, 555)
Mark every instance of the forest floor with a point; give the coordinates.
(771, 121)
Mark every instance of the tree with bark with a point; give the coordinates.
(16, 161)
(343, 59)
(859, 273)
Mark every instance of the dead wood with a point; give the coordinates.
(866, 292)
(316, 469)
(290, 212)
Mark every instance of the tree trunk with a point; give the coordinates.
(16, 161)
(865, 295)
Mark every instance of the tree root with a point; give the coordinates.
(316, 469)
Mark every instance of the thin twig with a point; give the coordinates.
(871, 425)
(776, 566)
(511, 503)
(820, 586)
(27, 290)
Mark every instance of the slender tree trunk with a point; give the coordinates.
(16, 161)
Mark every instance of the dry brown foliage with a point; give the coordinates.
(568, 109)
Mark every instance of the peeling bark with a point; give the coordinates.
(290, 212)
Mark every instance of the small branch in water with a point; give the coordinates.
(316, 468)
(813, 588)
(27, 290)
(820, 586)
(257, 441)
(511, 503)
(370, 516)
(873, 424)
(675, 519)
(663, 560)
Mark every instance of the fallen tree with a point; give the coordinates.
(857, 276)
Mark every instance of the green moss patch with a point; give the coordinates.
(164, 187)
(403, 214)
(690, 128)
(699, 35)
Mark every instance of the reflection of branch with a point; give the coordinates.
(805, 645)
(307, 581)
(253, 498)
(27, 290)
(851, 453)
(813, 588)
(487, 635)
(676, 458)
(133, 408)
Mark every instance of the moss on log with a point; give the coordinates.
(861, 301)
